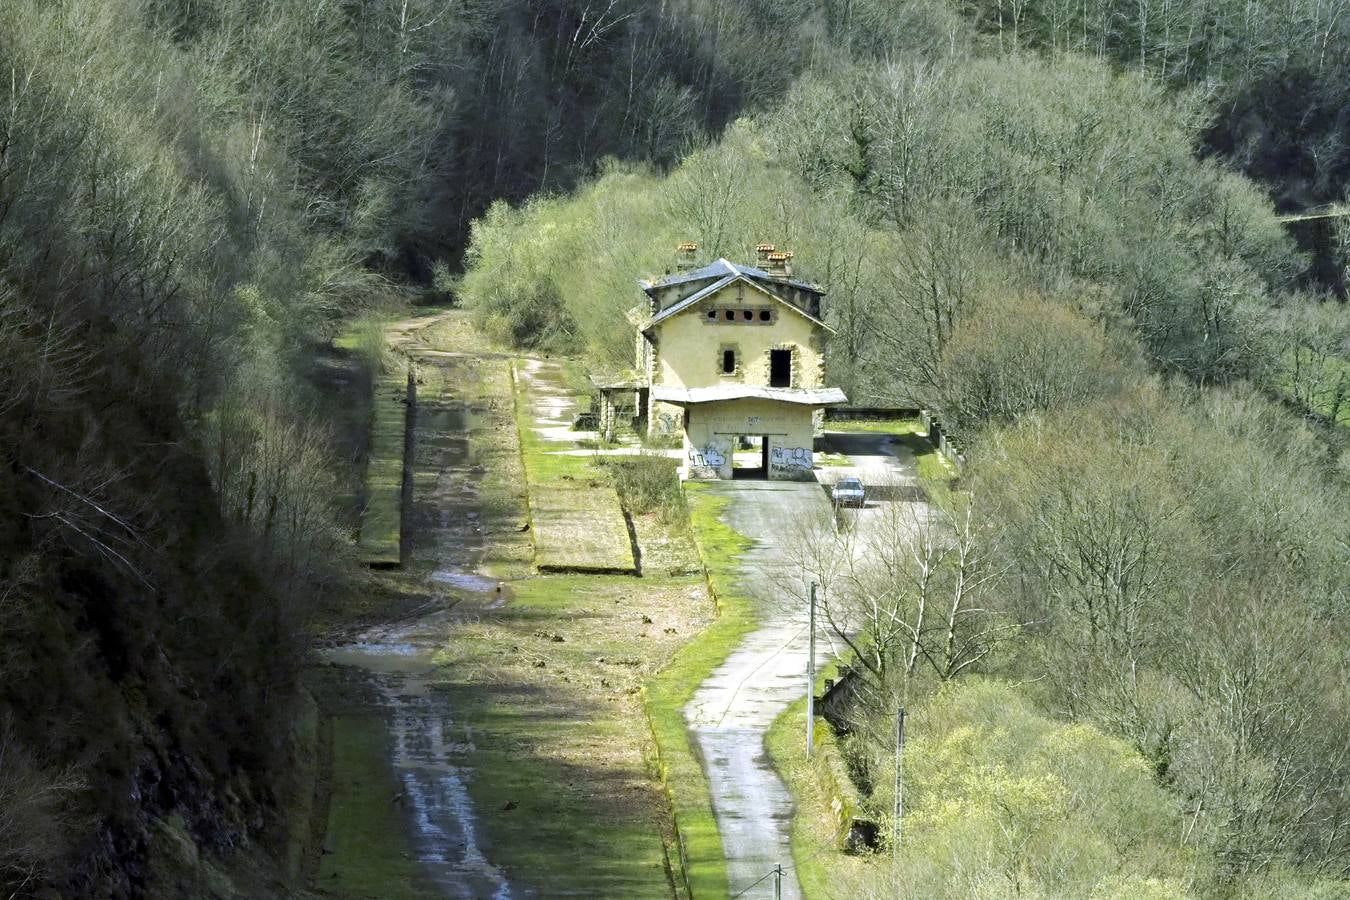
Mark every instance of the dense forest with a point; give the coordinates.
(1052, 223)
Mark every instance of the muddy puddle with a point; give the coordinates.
(388, 670)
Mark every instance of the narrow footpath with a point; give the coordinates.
(732, 710)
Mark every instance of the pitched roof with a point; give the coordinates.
(720, 269)
(816, 397)
(692, 299)
(735, 275)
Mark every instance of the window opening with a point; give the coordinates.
(712, 314)
(780, 368)
(730, 314)
(765, 315)
(728, 362)
(747, 314)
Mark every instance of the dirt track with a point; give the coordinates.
(428, 747)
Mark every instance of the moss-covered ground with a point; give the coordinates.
(366, 852)
(380, 398)
(563, 774)
(381, 518)
(576, 518)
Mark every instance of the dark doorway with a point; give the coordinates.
(780, 368)
(750, 456)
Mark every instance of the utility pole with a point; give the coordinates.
(899, 783)
(778, 882)
(811, 678)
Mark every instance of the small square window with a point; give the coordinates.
(747, 314)
(730, 315)
(765, 315)
(712, 314)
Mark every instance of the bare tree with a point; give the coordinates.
(906, 588)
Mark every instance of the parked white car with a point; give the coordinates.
(849, 491)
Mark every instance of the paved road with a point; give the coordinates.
(731, 711)
(887, 468)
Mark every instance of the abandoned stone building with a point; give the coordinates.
(732, 357)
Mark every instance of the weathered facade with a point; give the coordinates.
(732, 358)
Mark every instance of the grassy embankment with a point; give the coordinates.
(720, 548)
(1334, 372)
(382, 482)
(811, 782)
(982, 764)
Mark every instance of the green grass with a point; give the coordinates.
(881, 426)
(700, 843)
(820, 865)
(543, 465)
(351, 340)
(579, 530)
(826, 458)
(368, 853)
(935, 473)
(1333, 371)
(381, 520)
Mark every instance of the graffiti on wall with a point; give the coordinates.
(790, 460)
(665, 423)
(710, 456)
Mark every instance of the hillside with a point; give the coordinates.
(1054, 227)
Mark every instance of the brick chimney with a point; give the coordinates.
(779, 263)
(762, 251)
(684, 258)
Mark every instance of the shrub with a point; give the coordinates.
(647, 483)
